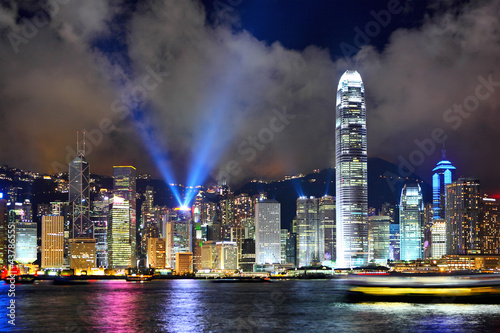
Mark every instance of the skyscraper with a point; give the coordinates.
(327, 223)
(122, 224)
(26, 232)
(52, 241)
(489, 226)
(411, 219)
(99, 217)
(307, 231)
(79, 196)
(351, 172)
(462, 216)
(443, 175)
(379, 238)
(267, 232)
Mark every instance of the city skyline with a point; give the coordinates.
(151, 110)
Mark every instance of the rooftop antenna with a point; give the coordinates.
(443, 152)
(79, 151)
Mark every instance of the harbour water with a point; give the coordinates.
(204, 306)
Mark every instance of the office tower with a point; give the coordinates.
(462, 216)
(489, 226)
(394, 242)
(267, 232)
(308, 232)
(327, 223)
(426, 230)
(208, 255)
(183, 263)
(79, 196)
(411, 219)
(283, 239)
(247, 259)
(291, 249)
(99, 216)
(227, 215)
(64, 209)
(351, 172)
(122, 223)
(156, 253)
(118, 234)
(226, 257)
(443, 175)
(379, 238)
(26, 232)
(82, 252)
(4, 228)
(179, 234)
(438, 237)
(149, 227)
(52, 241)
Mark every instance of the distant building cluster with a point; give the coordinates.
(105, 229)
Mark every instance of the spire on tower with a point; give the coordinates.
(80, 152)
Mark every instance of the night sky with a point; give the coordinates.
(189, 90)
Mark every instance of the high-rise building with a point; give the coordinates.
(411, 219)
(156, 253)
(4, 224)
(462, 216)
(122, 231)
(379, 238)
(179, 234)
(267, 232)
(82, 252)
(392, 211)
(225, 256)
(438, 237)
(489, 226)
(443, 175)
(99, 217)
(291, 249)
(327, 223)
(284, 238)
(26, 232)
(52, 241)
(351, 172)
(149, 227)
(79, 196)
(183, 263)
(310, 232)
(118, 234)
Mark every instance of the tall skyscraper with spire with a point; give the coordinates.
(443, 175)
(79, 194)
(351, 172)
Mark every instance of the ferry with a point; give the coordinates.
(244, 279)
(138, 277)
(482, 288)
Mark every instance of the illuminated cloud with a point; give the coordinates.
(223, 89)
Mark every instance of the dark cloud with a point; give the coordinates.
(225, 87)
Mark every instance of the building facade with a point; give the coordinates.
(52, 241)
(267, 232)
(411, 220)
(351, 172)
(462, 216)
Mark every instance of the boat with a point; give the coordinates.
(22, 279)
(478, 288)
(240, 279)
(139, 277)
